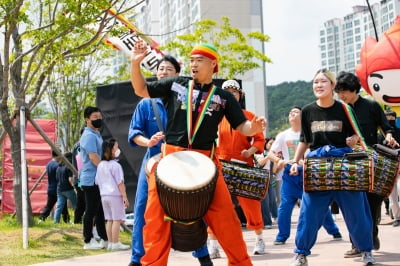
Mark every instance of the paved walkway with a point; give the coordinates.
(326, 251)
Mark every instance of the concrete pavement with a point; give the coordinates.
(325, 252)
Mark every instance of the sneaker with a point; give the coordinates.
(103, 244)
(300, 260)
(109, 245)
(259, 248)
(279, 242)
(352, 253)
(93, 244)
(368, 259)
(95, 234)
(119, 246)
(214, 253)
(396, 223)
(337, 236)
(268, 226)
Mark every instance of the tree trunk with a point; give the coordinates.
(15, 139)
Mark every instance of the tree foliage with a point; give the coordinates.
(41, 38)
(237, 54)
(281, 98)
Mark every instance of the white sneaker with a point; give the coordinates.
(259, 248)
(103, 244)
(95, 234)
(367, 258)
(93, 244)
(119, 246)
(214, 252)
(109, 245)
(300, 260)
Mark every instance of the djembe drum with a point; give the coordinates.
(151, 163)
(185, 184)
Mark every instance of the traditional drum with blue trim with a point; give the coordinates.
(351, 172)
(245, 181)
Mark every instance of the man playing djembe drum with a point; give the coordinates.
(208, 106)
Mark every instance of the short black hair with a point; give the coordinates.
(172, 60)
(295, 107)
(347, 81)
(90, 110)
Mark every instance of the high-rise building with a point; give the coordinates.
(341, 39)
(163, 20)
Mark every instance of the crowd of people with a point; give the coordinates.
(193, 114)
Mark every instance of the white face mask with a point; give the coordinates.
(117, 153)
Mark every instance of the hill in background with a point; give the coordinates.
(281, 98)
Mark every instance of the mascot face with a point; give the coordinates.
(383, 86)
(379, 68)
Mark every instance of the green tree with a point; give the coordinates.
(37, 37)
(236, 54)
(281, 98)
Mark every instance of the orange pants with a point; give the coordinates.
(252, 210)
(220, 217)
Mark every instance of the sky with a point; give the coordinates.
(293, 27)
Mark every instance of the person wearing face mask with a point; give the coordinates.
(90, 144)
(110, 179)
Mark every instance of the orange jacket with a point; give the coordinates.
(231, 143)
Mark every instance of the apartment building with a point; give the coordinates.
(341, 39)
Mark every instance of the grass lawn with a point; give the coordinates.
(46, 242)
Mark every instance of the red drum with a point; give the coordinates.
(185, 184)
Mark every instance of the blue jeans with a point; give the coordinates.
(291, 191)
(139, 222)
(61, 200)
(268, 205)
(356, 213)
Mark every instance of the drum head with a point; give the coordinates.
(150, 163)
(186, 170)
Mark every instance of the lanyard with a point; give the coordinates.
(192, 130)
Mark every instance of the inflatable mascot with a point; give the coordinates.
(379, 68)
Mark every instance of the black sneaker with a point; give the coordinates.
(337, 236)
(396, 223)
